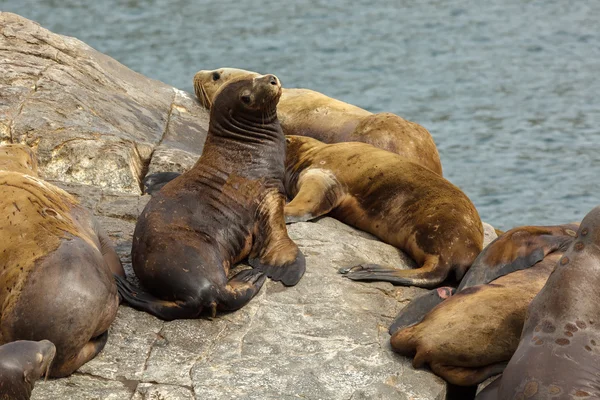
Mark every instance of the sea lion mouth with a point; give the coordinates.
(50, 359)
(202, 95)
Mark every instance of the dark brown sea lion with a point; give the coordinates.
(305, 112)
(400, 202)
(22, 363)
(517, 249)
(57, 267)
(229, 206)
(558, 356)
(472, 335)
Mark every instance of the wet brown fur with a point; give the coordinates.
(229, 206)
(306, 112)
(559, 348)
(400, 202)
(472, 335)
(51, 248)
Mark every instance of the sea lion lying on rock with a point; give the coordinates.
(516, 249)
(229, 206)
(472, 335)
(400, 202)
(22, 363)
(308, 113)
(558, 353)
(57, 266)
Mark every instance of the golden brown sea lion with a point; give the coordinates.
(517, 249)
(22, 363)
(305, 112)
(57, 266)
(472, 335)
(229, 206)
(400, 202)
(559, 350)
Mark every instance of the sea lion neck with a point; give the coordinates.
(245, 127)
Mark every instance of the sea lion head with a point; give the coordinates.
(250, 96)
(589, 230)
(207, 83)
(18, 158)
(24, 362)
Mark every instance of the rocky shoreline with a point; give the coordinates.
(99, 128)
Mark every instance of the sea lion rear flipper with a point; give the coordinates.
(273, 252)
(154, 182)
(414, 312)
(517, 249)
(318, 193)
(166, 310)
(430, 275)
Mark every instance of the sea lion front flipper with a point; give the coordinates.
(240, 289)
(430, 275)
(273, 252)
(319, 192)
(518, 249)
(414, 312)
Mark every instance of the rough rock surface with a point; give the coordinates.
(99, 128)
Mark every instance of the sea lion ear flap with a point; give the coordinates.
(288, 140)
(518, 249)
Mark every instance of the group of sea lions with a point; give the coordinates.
(524, 305)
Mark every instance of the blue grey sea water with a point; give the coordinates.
(509, 89)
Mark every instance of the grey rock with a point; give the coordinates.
(93, 120)
(147, 391)
(79, 386)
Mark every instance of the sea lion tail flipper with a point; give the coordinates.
(414, 312)
(166, 310)
(318, 193)
(154, 182)
(430, 275)
(240, 289)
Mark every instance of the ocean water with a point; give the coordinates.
(510, 90)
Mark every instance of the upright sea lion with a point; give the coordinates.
(472, 335)
(229, 206)
(558, 353)
(518, 248)
(22, 363)
(400, 202)
(57, 266)
(305, 112)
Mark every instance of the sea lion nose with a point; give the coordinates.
(272, 80)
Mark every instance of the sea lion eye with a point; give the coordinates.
(216, 76)
(246, 99)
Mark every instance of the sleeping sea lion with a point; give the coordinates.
(400, 202)
(305, 112)
(517, 249)
(229, 206)
(559, 349)
(22, 363)
(472, 335)
(57, 266)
